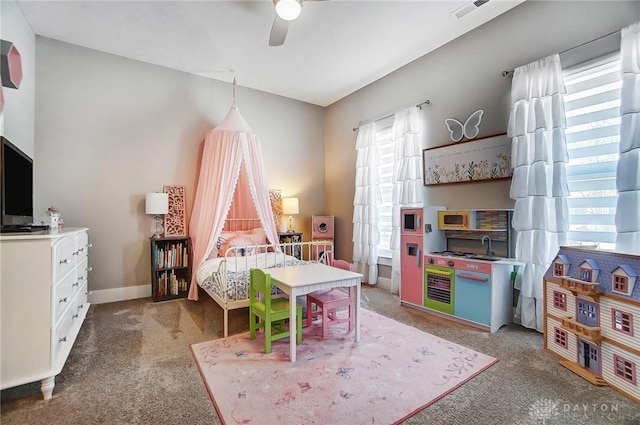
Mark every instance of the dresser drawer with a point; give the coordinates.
(63, 258)
(63, 294)
(82, 304)
(82, 246)
(62, 337)
(81, 276)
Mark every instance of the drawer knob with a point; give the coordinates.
(80, 306)
(76, 252)
(89, 245)
(81, 278)
(65, 261)
(76, 284)
(89, 269)
(63, 339)
(75, 316)
(81, 249)
(63, 300)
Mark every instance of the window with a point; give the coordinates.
(622, 321)
(560, 300)
(587, 313)
(386, 155)
(592, 108)
(560, 337)
(620, 284)
(624, 369)
(585, 274)
(558, 269)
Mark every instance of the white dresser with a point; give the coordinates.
(43, 301)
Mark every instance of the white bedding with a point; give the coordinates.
(211, 275)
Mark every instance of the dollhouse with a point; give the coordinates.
(592, 316)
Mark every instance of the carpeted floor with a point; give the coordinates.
(132, 364)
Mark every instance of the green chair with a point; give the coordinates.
(269, 313)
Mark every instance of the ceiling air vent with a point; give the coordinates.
(468, 8)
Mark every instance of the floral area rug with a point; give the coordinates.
(393, 372)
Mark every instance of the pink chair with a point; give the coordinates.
(328, 301)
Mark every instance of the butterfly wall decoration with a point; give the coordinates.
(469, 130)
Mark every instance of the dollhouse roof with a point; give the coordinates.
(563, 258)
(627, 270)
(591, 263)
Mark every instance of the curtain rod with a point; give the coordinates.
(510, 73)
(419, 106)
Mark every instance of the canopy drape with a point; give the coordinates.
(230, 151)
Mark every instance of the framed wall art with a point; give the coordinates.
(275, 198)
(488, 158)
(175, 222)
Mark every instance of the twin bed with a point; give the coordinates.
(231, 185)
(224, 276)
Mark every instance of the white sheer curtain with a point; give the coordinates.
(539, 184)
(407, 178)
(628, 172)
(365, 204)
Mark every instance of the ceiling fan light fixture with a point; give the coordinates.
(288, 9)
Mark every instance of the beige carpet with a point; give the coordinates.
(131, 364)
(393, 372)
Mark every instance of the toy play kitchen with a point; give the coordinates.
(459, 275)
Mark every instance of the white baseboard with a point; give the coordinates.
(103, 296)
(384, 283)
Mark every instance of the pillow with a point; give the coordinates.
(256, 236)
(244, 246)
(217, 251)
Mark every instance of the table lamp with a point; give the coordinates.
(157, 204)
(290, 206)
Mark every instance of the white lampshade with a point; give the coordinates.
(288, 9)
(157, 203)
(290, 206)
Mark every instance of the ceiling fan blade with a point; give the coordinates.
(278, 31)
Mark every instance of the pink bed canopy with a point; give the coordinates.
(231, 184)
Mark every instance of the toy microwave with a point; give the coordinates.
(454, 219)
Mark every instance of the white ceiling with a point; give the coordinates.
(335, 48)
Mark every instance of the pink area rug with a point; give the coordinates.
(392, 373)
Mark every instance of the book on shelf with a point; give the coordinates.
(170, 256)
(170, 284)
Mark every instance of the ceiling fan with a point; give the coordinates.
(286, 11)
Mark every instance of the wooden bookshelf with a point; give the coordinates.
(170, 268)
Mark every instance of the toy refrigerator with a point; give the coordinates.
(418, 235)
(411, 252)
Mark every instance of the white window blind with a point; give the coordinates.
(386, 156)
(592, 107)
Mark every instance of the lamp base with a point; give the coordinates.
(290, 229)
(157, 228)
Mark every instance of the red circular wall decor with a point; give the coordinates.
(10, 65)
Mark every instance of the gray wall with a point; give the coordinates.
(110, 129)
(17, 118)
(460, 78)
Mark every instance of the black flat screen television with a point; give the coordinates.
(16, 184)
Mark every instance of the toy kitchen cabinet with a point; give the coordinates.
(475, 292)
